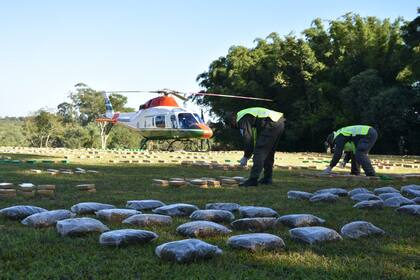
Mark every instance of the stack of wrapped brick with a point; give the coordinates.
(45, 190)
(26, 189)
(7, 190)
(86, 188)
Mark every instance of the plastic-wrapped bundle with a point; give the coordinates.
(202, 229)
(369, 204)
(388, 189)
(359, 229)
(324, 197)
(254, 212)
(144, 204)
(186, 251)
(123, 237)
(231, 207)
(20, 212)
(300, 220)
(176, 210)
(358, 190)
(254, 224)
(398, 201)
(410, 209)
(412, 190)
(336, 191)
(385, 196)
(364, 197)
(217, 216)
(314, 235)
(116, 215)
(147, 220)
(256, 242)
(80, 226)
(47, 218)
(299, 195)
(89, 207)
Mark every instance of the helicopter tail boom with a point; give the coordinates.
(109, 113)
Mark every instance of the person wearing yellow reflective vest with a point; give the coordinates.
(261, 129)
(356, 141)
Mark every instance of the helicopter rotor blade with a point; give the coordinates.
(233, 96)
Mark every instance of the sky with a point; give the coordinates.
(46, 47)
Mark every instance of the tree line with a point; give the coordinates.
(71, 125)
(353, 70)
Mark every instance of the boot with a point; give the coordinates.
(249, 183)
(266, 181)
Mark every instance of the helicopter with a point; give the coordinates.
(163, 119)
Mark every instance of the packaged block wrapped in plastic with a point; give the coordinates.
(254, 212)
(358, 190)
(364, 197)
(176, 210)
(217, 216)
(144, 204)
(20, 212)
(202, 229)
(385, 196)
(324, 197)
(254, 224)
(336, 191)
(398, 201)
(256, 242)
(411, 190)
(148, 220)
(357, 229)
(369, 204)
(80, 226)
(312, 235)
(89, 207)
(300, 220)
(388, 189)
(123, 237)
(231, 207)
(186, 251)
(410, 209)
(47, 218)
(116, 215)
(299, 195)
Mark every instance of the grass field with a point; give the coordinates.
(27, 253)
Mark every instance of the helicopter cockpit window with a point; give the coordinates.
(174, 122)
(160, 121)
(187, 121)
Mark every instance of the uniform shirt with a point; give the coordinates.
(248, 128)
(339, 143)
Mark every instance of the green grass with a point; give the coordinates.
(27, 253)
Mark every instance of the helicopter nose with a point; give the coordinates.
(207, 132)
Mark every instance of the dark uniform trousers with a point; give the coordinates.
(361, 158)
(265, 147)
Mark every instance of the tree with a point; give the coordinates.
(42, 128)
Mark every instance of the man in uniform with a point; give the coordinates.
(356, 141)
(260, 129)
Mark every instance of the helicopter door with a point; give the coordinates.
(160, 121)
(174, 123)
(148, 122)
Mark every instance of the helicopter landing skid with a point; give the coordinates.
(202, 145)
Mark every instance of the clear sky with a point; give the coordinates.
(46, 47)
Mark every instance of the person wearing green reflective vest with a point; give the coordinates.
(356, 141)
(261, 129)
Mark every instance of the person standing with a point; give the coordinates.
(356, 141)
(261, 129)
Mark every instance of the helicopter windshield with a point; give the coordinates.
(187, 121)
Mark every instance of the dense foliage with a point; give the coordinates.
(354, 71)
